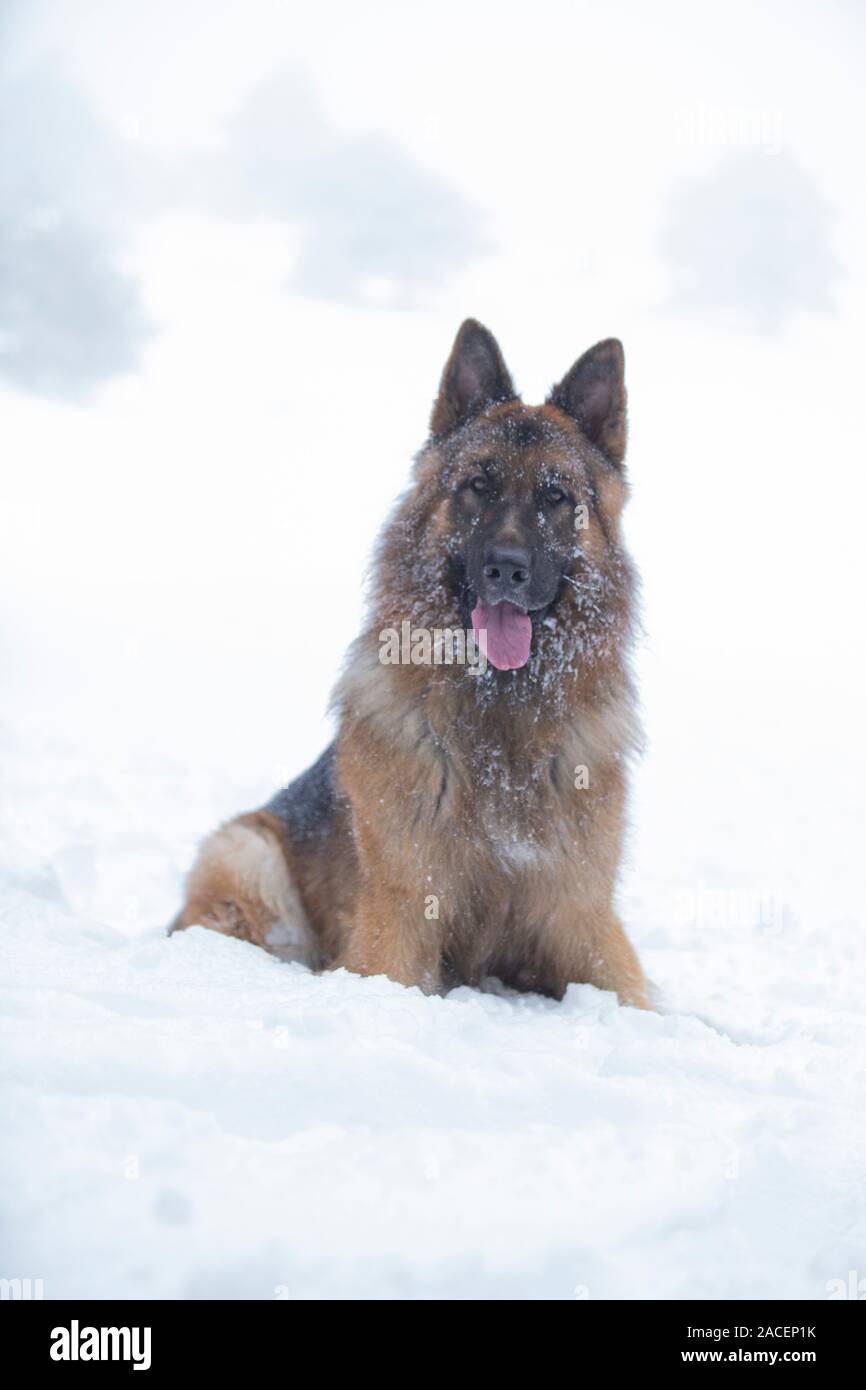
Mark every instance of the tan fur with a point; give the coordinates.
(458, 844)
(240, 885)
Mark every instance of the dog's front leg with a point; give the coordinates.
(593, 949)
(390, 934)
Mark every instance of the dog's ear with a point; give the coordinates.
(593, 393)
(475, 376)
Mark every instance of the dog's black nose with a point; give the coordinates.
(507, 572)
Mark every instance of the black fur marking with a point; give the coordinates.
(522, 431)
(306, 805)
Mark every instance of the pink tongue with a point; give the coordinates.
(509, 634)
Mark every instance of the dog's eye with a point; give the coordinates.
(479, 484)
(555, 495)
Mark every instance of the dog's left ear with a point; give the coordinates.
(593, 393)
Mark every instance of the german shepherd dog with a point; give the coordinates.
(469, 822)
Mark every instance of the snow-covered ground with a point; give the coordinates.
(188, 1117)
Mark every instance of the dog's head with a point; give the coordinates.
(514, 519)
(512, 524)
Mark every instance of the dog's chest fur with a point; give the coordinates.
(469, 788)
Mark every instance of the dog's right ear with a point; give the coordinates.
(475, 376)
